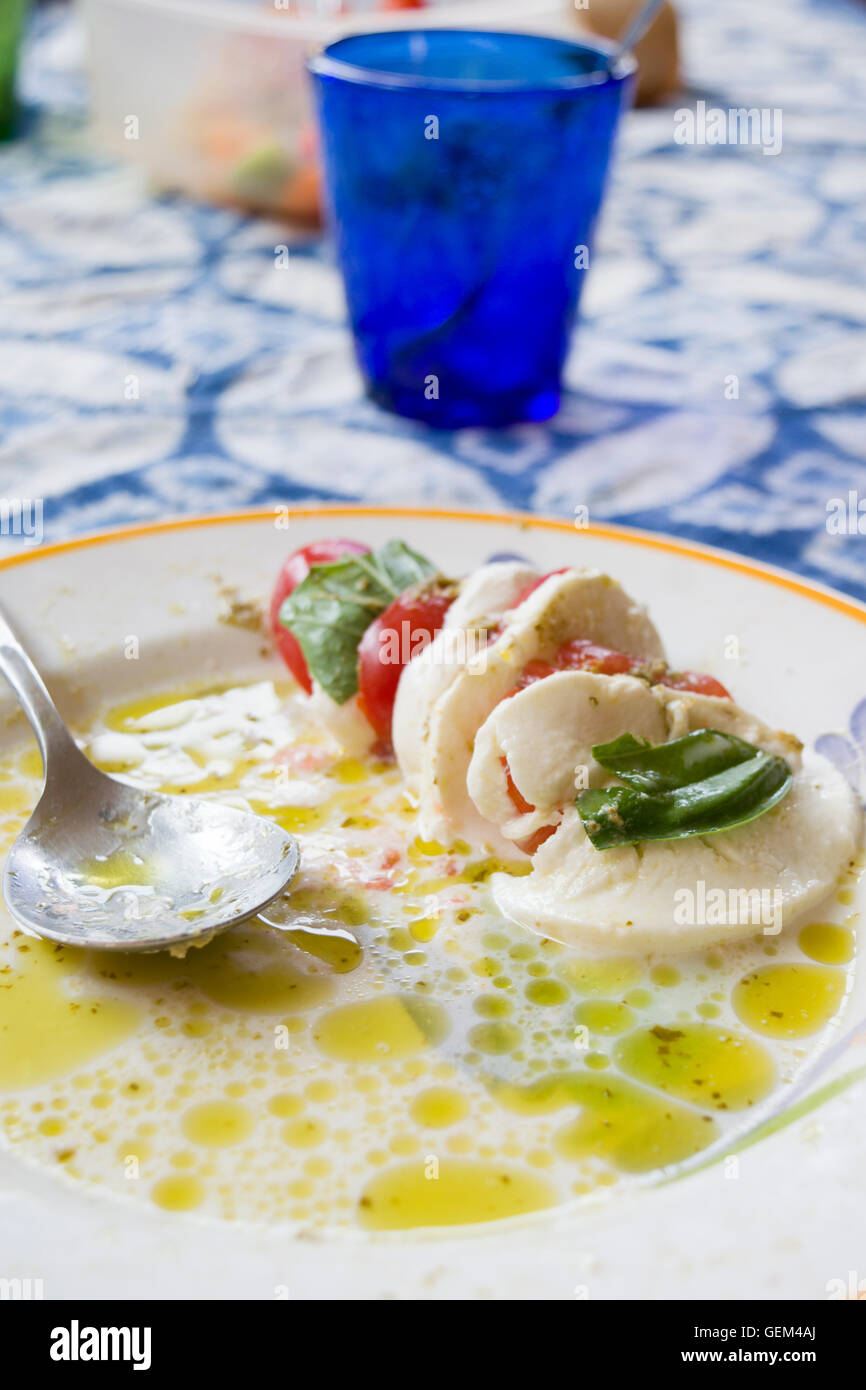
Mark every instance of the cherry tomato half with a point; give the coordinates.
(389, 644)
(536, 584)
(582, 655)
(519, 802)
(696, 682)
(296, 568)
(534, 842)
(497, 630)
(579, 655)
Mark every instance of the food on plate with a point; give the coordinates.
(296, 568)
(553, 1000)
(622, 889)
(539, 716)
(539, 623)
(406, 628)
(485, 595)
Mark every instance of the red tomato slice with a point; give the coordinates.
(695, 681)
(536, 584)
(534, 842)
(583, 655)
(296, 568)
(533, 671)
(518, 800)
(579, 655)
(389, 644)
(499, 628)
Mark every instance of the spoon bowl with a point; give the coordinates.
(106, 865)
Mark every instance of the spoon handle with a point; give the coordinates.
(638, 27)
(56, 744)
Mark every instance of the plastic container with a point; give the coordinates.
(12, 15)
(211, 97)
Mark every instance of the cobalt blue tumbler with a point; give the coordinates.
(463, 174)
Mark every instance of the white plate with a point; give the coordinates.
(790, 1223)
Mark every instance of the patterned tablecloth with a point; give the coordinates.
(717, 387)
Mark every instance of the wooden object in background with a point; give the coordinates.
(657, 52)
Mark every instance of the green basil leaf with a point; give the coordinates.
(331, 609)
(663, 767)
(627, 816)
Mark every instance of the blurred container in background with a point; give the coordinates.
(211, 97)
(12, 14)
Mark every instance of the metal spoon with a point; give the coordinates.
(635, 31)
(102, 864)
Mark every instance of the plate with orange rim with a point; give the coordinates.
(387, 1067)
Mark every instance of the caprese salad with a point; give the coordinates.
(537, 715)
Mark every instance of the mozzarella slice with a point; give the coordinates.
(684, 894)
(543, 737)
(686, 711)
(576, 604)
(484, 597)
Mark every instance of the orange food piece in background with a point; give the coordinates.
(300, 198)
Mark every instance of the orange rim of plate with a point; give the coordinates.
(525, 520)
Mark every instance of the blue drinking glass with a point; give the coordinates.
(463, 174)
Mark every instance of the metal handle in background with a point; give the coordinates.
(636, 30)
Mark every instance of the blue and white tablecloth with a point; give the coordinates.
(717, 387)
